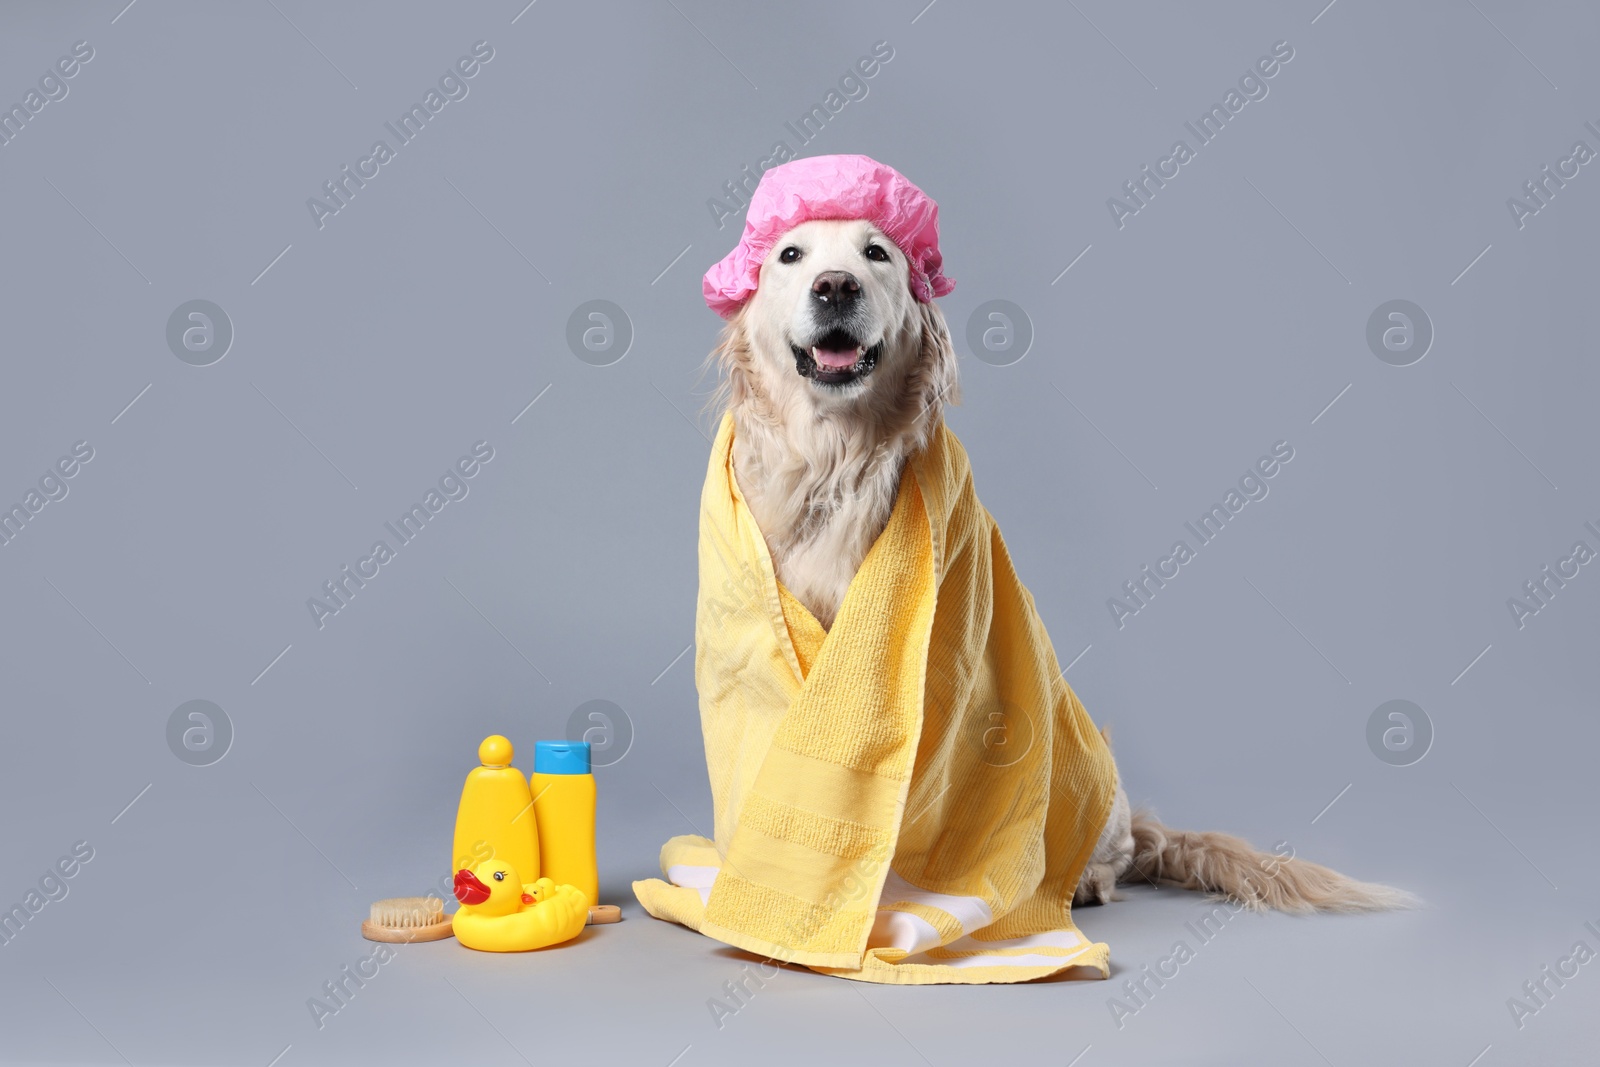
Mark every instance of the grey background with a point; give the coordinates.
(425, 316)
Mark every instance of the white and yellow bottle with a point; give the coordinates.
(563, 802)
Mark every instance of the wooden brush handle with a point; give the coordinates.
(604, 913)
(406, 935)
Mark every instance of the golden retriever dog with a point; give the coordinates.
(834, 374)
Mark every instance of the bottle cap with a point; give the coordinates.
(495, 751)
(561, 757)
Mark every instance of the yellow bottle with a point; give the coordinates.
(563, 801)
(495, 820)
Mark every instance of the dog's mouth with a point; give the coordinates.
(835, 359)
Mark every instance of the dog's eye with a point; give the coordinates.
(789, 255)
(877, 254)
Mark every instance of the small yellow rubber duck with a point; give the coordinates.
(500, 914)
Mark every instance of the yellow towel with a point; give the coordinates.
(909, 797)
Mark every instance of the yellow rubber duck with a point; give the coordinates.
(500, 914)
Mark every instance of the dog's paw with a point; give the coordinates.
(1097, 886)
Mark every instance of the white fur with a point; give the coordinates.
(820, 466)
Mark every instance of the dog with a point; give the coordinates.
(834, 374)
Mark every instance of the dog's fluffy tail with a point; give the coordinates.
(1228, 866)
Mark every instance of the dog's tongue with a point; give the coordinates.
(833, 359)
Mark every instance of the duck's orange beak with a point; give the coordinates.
(470, 888)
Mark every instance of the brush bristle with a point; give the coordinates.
(403, 913)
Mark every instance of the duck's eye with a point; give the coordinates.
(877, 254)
(499, 876)
(789, 255)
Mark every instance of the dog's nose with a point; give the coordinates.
(836, 287)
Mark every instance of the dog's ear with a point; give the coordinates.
(733, 361)
(937, 380)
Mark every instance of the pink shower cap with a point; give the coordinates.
(831, 187)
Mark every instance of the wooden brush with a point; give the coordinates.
(401, 920)
(604, 913)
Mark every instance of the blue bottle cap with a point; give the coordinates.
(561, 757)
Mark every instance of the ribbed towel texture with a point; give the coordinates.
(909, 797)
